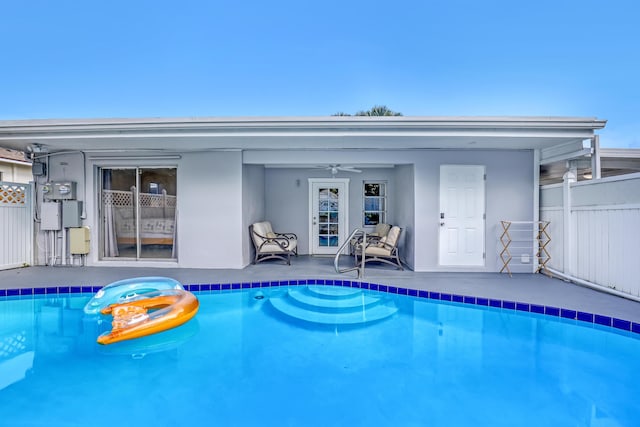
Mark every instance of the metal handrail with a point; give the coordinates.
(360, 268)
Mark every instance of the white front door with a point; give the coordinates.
(328, 206)
(462, 213)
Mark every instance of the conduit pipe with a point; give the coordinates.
(593, 285)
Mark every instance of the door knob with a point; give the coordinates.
(442, 224)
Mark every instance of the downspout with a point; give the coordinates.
(593, 285)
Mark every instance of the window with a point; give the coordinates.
(375, 203)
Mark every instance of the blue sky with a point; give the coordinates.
(79, 59)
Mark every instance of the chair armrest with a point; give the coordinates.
(373, 240)
(281, 239)
(290, 236)
(283, 242)
(377, 242)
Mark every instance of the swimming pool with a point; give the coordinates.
(243, 361)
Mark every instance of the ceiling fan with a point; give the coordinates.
(337, 168)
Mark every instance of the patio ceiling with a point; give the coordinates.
(302, 133)
(613, 162)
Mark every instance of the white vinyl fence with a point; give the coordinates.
(596, 230)
(16, 225)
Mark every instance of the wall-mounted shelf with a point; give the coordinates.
(526, 241)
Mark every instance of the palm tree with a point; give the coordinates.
(378, 110)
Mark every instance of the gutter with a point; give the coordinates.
(15, 162)
(593, 285)
(344, 123)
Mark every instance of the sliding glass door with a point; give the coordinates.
(138, 213)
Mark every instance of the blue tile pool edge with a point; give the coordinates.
(552, 311)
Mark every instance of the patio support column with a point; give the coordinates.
(568, 241)
(595, 157)
(536, 206)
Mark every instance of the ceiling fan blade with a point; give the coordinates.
(335, 168)
(348, 169)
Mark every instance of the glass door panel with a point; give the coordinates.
(118, 213)
(157, 201)
(138, 213)
(328, 207)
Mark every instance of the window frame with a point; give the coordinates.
(382, 205)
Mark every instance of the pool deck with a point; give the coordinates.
(525, 288)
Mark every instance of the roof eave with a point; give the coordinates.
(296, 123)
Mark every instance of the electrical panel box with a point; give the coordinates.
(38, 169)
(59, 190)
(79, 240)
(50, 218)
(71, 213)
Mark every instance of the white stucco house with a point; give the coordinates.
(183, 192)
(14, 167)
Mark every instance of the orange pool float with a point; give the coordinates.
(148, 314)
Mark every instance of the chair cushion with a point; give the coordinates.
(260, 229)
(264, 229)
(377, 251)
(392, 237)
(382, 229)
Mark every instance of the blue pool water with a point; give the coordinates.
(243, 362)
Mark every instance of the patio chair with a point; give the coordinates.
(270, 245)
(384, 250)
(380, 231)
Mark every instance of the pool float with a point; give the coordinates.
(166, 341)
(124, 290)
(149, 313)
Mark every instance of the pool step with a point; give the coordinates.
(331, 305)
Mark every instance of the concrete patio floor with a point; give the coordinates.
(527, 288)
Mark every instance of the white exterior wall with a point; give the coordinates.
(253, 202)
(404, 191)
(605, 230)
(209, 188)
(509, 196)
(221, 193)
(210, 224)
(63, 167)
